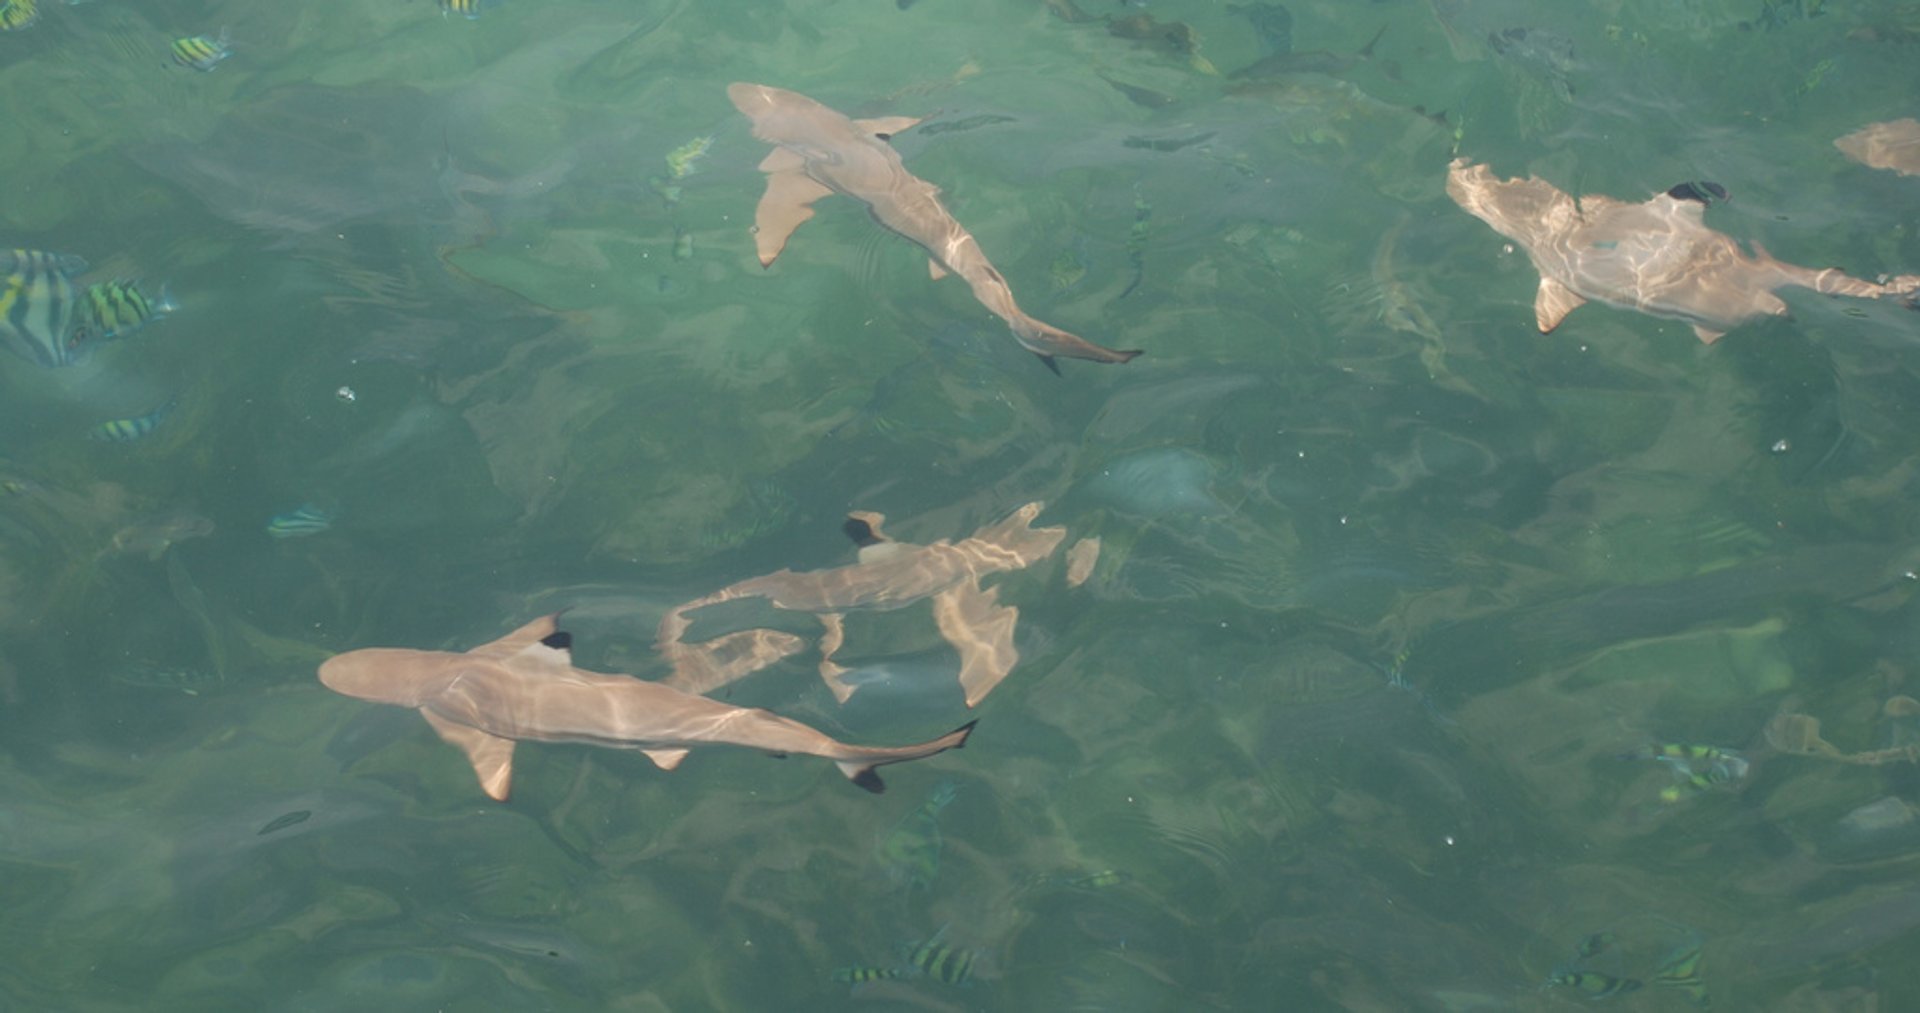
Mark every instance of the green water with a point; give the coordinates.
(1390, 582)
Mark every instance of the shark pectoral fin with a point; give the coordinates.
(786, 204)
(491, 755)
(934, 270)
(1553, 304)
(981, 629)
(885, 127)
(1707, 336)
(666, 759)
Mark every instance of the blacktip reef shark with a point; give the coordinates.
(1894, 145)
(524, 687)
(819, 151)
(887, 575)
(1658, 256)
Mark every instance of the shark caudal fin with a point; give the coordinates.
(861, 771)
(1047, 341)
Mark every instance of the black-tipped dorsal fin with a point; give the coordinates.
(1699, 190)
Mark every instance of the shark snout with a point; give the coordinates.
(380, 674)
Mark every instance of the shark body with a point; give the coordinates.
(1657, 257)
(888, 575)
(819, 151)
(524, 687)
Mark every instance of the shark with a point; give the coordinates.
(1657, 257)
(819, 151)
(1894, 145)
(886, 575)
(524, 687)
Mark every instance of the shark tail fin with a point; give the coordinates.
(1047, 341)
(862, 773)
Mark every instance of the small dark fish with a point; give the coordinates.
(1548, 53)
(1316, 61)
(283, 822)
(200, 52)
(1174, 37)
(1137, 236)
(951, 126)
(1166, 143)
(191, 681)
(1139, 96)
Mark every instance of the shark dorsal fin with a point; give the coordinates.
(863, 526)
(490, 755)
(553, 652)
(884, 127)
(513, 643)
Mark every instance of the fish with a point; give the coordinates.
(1698, 767)
(469, 9)
(37, 304)
(1682, 973)
(1657, 257)
(1138, 234)
(682, 160)
(910, 851)
(1081, 559)
(191, 681)
(129, 430)
(1288, 63)
(1105, 879)
(153, 536)
(524, 687)
(860, 975)
(940, 960)
(819, 152)
(886, 575)
(1549, 53)
(1894, 145)
(294, 818)
(115, 309)
(1593, 984)
(18, 14)
(300, 522)
(202, 53)
(968, 123)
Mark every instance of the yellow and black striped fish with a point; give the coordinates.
(469, 9)
(201, 52)
(115, 309)
(18, 14)
(37, 301)
(943, 962)
(1682, 973)
(862, 975)
(129, 430)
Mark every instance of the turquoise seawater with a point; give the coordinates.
(1429, 663)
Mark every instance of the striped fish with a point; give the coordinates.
(862, 975)
(37, 301)
(307, 520)
(469, 9)
(18, 14)
(129, 430)
(115, 309)
(940, 960)
(201, 52)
